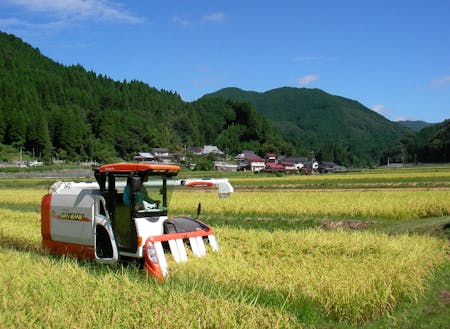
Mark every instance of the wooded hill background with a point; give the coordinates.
(52, 110)
(343, 130)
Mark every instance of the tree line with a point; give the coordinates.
(431, 144)
(67, 112)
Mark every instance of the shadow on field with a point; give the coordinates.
(131, 266)
(262, 223)
(438, 227)
(33, 207)
(22, 245)
(305, 309)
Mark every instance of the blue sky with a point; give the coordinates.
(392, 56)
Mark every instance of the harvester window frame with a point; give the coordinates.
(162, 209)
(102, 209)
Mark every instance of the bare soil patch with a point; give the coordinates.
(346, 224)
(445, 298)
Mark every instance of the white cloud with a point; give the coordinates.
(306, 59)
(181, 21)
(441, 81)
(100, 10)
(307, 79)
(14, 23)
(214, 17)
(380, 109)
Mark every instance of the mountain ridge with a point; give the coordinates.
(415, 125)
(337, 128)
(66, 112)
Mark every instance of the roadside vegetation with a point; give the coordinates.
(366, 259)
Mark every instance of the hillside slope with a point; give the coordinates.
(336, 128)
(431, 144)
(414, 125)
(52, 110)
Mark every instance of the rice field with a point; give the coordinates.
(282, 277)
(373, 175)
(402, 204)
(350, 276)
(265, 279)
(396, 179)
(388, 204)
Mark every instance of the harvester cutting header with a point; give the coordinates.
(124, 215)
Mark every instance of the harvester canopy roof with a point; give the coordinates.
(148, 168)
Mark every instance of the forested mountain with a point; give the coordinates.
(336, 128)
(49, 109)
(431, 144)
(414, 125)
(54, 110)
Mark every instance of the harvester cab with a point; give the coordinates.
(123, 215)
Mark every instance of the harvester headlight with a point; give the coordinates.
(151, 253)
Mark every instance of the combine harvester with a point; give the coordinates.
(124, 216)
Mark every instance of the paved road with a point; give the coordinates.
(62, 173)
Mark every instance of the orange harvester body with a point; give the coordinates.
(123, 215)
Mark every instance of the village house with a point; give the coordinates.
(271, 158)
(273, 165)
(297, 161)
(208, 149)
(326, 167)
(162, 155)
(249, 160)
(311, 167)
(144, 157)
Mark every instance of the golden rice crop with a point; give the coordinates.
(368, 204)
(366, 176)
(351, 276)
(41, 292)
(258, 279)
(20, 229)
(21, 196)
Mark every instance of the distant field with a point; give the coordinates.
(403, 204)
(398, 178)
(286, 261)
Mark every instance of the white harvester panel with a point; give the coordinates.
(72, 213)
